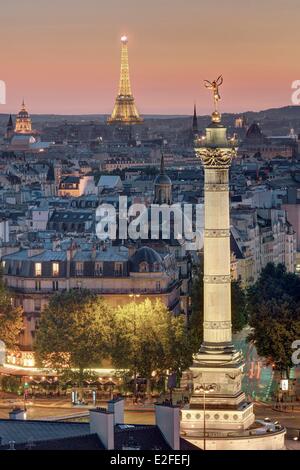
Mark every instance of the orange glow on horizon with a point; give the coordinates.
(64, 56)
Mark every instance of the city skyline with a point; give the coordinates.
(63, 58)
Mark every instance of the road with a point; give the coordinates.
(50, 409)
(36, 412)
(290, 420)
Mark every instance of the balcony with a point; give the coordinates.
(104, 291)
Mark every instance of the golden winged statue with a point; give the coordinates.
(214, 86)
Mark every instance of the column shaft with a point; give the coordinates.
(217, 289)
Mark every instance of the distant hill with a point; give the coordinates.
(273, 121)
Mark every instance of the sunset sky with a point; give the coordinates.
(63, 56)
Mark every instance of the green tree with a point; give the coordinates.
(273, 304)
(148, 338)
(74, 333)
(11, 384)
(238, 308)
(11, 322)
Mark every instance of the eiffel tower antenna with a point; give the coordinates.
(124, 110)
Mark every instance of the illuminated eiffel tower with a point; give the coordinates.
(124, 111)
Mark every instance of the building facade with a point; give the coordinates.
(34, 275)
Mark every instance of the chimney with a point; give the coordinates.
(17, 413)
(102, 424)
(94, 252)
(168, 421)
(117, 408)
(11, 445)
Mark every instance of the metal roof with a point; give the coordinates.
(22, 431)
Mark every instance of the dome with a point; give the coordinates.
(162, 179)
(23, 114)
(146, 259)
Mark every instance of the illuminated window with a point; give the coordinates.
(3, 264)
(98, 269)
(144, 267)
(55, 269)
(38, 269)
(118, 269)
(79, 269)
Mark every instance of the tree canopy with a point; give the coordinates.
(75, 331)
(11, 322)
(148, 338)
(274, 315)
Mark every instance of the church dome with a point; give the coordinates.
(162, 179)
(23, 121)
(23, 114)
(146, 259)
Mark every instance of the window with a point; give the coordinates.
(79, 269)
(37, 305)
(157, 286)
(144, 267)
(38, 285)
(3, 264)
(98, 269)
(55, 285)
(55, 269)
(118, 269)
(38, 269)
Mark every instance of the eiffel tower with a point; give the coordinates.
(124, 111)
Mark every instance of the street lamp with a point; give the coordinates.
(134, 297)
(204, 389)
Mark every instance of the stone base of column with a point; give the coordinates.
(218, 355)
(226, 406)
(219, 421)
(225, 380)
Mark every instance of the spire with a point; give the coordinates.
(9, 128)
(162, 185)
(10, 122)
(23, 104)
(125, 111)
(195, 121)
(162, 164)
